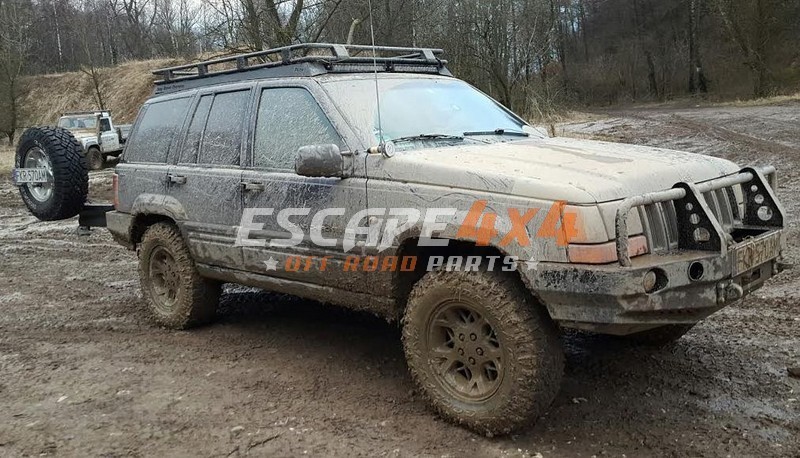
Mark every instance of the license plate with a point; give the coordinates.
(23, 176)
(753, 253)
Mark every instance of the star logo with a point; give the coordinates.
(271, 263)
(531, 265)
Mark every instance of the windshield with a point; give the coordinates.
(77, 122)
(423, 109)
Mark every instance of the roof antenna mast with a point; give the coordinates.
(383, 148)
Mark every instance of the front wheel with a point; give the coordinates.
(178, 297)
(483, 353)
(95, 159)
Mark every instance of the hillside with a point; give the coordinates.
(124, 89)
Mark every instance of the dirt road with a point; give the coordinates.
(83, 373)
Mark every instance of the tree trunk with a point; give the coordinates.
(697, 78)
(560, 42)
(651, 74)
(652, 82)
(584, 31)
(754, 56)
(759, 53)
(356, 22)
(13, 110)
(252, 25)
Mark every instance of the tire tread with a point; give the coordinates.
(536, 353)
(70, 172)
(198, 303)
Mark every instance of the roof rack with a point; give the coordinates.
(323, 57)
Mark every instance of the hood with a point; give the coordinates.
(82, 134)
(576, 171)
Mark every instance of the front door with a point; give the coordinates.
(109, 140)
(307, 216)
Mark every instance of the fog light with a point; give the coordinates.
(650, 281)
(696, 271)
(764, 213)
(701, 235)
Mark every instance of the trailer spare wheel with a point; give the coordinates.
(51, 173)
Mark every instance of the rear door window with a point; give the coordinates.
(157, 129)
(196, 128)
(221, 141)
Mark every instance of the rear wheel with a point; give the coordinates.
(94, 157)
(483, 353)
(178, 297)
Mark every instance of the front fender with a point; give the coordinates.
(89, 143)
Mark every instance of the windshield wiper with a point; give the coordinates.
(436, 137)
(429, 137)
(513, 133)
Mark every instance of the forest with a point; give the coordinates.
(535, 56)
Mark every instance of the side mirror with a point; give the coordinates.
(320, 161)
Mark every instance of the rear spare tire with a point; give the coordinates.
(57, 150)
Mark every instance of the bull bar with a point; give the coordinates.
(694, 213)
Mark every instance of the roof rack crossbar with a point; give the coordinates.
(305, 53)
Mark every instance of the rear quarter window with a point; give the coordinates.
(157, 130)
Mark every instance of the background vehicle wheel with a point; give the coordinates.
(95, 158)
(483, 353)
(58, 151)
(177, 296)
(660, 336)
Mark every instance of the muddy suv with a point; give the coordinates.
(383, 184)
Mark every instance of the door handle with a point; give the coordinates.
(177, 179)
(252, 186)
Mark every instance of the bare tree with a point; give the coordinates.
(754, 44)
(15, 49)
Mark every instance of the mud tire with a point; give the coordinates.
(95, 159)
(660, 336)
(195, 299)
(69, 168)
(533, 358)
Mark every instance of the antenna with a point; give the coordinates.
(382, 145)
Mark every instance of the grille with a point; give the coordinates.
(660, 223)
(724, 206)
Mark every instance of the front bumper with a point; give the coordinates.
(613, 298)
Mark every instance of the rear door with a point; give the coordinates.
(204, 185)
(143, 171)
